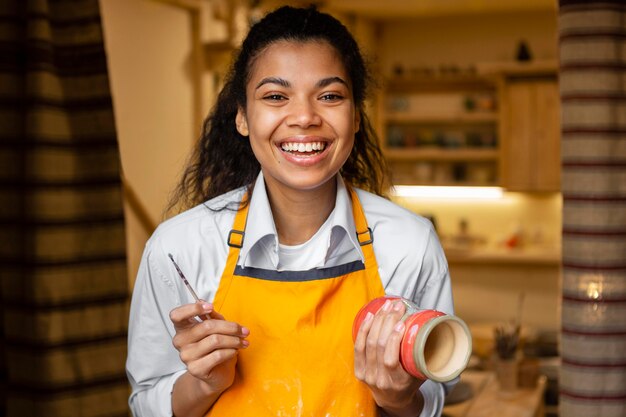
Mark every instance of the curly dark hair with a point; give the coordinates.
(223, 159)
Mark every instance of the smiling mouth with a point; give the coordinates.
(304, 149)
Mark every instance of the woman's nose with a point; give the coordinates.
(303, 114)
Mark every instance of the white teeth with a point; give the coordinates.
(303, 147)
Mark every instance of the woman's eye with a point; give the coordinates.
(274, 97)
(331, 97)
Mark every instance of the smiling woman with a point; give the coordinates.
(287, 239)
(286, 116)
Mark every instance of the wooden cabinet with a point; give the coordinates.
(531, 131)
(499, 128)
(441, 130)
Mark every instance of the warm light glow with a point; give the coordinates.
(448, 192)
(594, 290)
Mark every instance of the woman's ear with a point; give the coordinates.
(357, 120)
(241, 123)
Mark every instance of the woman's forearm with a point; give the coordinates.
(191, 397)
(412, 408)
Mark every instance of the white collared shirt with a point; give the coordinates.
(411, 264)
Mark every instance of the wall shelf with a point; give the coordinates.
(540, 256)
(441, 130)
(498, 127)
(438, 154)
(462, 118)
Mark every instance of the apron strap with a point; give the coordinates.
(235, 243)
(364, 234)
(237, 233)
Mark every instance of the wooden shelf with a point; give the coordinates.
(477, 117)
(440, 83)
(458, 110)
(402, 180)
(529, 256)
(438, 154)
(514, 68)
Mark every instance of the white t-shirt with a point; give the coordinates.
(411, 264)
(304, 256)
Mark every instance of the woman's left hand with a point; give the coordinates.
(377, 362)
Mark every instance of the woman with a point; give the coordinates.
(285, 249)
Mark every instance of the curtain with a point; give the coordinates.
(64, 286)
(593, 94)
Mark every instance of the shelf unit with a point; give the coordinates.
(441, 130)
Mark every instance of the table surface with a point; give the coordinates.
(489, 401)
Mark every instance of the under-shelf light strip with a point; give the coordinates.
(448, 192)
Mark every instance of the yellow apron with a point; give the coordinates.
(300, 361)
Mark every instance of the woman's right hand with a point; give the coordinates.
(208, 348)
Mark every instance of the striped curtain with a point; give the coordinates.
(64, 289)
(593, 93)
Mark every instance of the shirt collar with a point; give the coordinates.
(260, 224)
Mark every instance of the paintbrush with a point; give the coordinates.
(182, 276)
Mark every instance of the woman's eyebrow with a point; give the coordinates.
(325, 82)
(273, 80)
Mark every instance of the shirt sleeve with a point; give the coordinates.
(433, 290)
(430, 289)
(153, 364)
(437, 295)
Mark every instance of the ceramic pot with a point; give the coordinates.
(435, 345)
(506, 372)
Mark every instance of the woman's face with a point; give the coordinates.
(300, 115)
